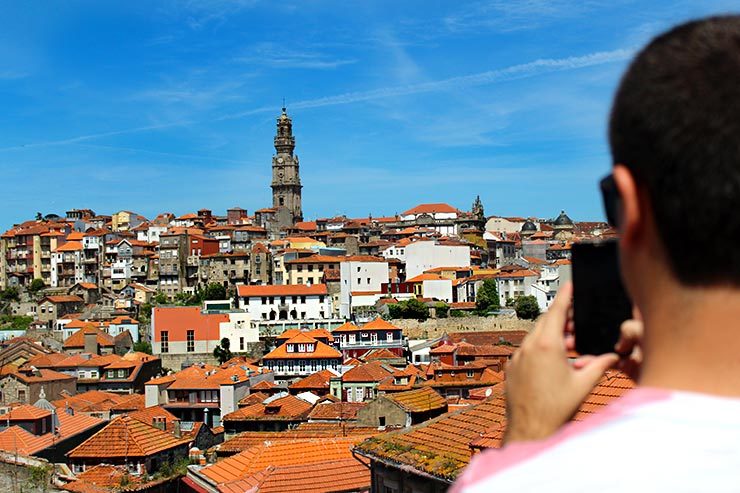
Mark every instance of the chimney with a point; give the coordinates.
(159, 422)
(91, 342)
(176, 429)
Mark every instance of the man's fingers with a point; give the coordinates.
(557, 315)
(593, 369)
(630, 336)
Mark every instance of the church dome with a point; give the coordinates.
(563, 220)
(528, 226)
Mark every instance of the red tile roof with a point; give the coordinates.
(321, 350)
(318, 380)
(281, 290)
(427, 277)
(418, 400)
(334, 411)
(125, 437)
(77, 340)
(430, 209)
(368, 372)
(322, 477)
(346, 327)
(63, 298)
(379, 324)
(304, 431)
(25, 412)
(279, 454)
(288, 408)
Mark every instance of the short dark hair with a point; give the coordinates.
(675, 124)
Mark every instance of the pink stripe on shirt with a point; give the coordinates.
(493, 461)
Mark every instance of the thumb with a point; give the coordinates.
(589, 374)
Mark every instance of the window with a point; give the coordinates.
(290, 348)
(310, 268)
(321, 299)
(352, 338)
(209, 396)
(368, 280)
(300, 280)
(241, 344)
(282, 201)
(359, 280)
(389, 336)
(470, 373)
(381, 420)
(165, 341)
(303, 299)
(111, 373)
(295, 299)
(358, 269)
(93, 374)
(301, 348)
(374, 337)
(121, 373)
(303, 365)
(22, 395)
(191, 341)
(303, 315)
(282, 300)
(264, 300)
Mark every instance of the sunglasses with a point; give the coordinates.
(610, 196)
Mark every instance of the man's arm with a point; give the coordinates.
(543, 389)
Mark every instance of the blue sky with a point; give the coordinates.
(170, 105)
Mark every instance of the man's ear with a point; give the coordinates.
(631, 210)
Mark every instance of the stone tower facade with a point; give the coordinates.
(286, 178)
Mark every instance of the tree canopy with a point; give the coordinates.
(222, 352)
(487, 298)
(526, 307)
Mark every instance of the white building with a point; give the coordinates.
(424, 255)
(551, 278)
(361, 278)
(513, 284)
(285, 302)
(438, 289)
(439, 217)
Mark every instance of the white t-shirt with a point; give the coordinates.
(649, 440)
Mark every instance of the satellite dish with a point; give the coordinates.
(489, 392)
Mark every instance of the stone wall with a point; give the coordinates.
(436, 327)
(174, 361)
(25, 474)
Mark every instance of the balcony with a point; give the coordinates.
(371, 344)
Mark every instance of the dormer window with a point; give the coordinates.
(301, 348)
(389, 336)
(290, 348)
(309, 348)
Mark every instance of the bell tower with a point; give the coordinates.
(286, 178)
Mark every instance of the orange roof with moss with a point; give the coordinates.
(418, 400)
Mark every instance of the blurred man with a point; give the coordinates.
(675, 141)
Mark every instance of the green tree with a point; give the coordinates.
(10, 294)
(412, 308)
(160, 298)
(145, 312)
(213, 291)
(527, 307)
(487, 298)
(441, 309)
(36, 286)
(143, 347)
(222, 352)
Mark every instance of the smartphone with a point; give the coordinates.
(600, 302)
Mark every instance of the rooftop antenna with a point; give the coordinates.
(283, 104)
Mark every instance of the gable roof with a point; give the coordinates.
(77, 340)
(379, 324)
(367, 372)
(430, 209)
(336, 410)
(321, 350)
(346, 327)
(125, 437)
(318, 380)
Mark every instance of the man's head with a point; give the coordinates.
(675, 140)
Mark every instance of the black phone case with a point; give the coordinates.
(600, 302)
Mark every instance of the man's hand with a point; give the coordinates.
(628, 346)
(543, 389)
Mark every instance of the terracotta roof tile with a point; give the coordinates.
(284, 408)
(418, 400)
(321, 350)
(318, 380)
(279, 454)
(350, 474)
(125, 437)
(77, 340)
(430, 209)
(304, 431)
(367, 372)
(281, 290)
(379, 324)
(25, 412)
(327, 411)
(346, 327)
(90, 401)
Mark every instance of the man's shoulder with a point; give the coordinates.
(659, 432)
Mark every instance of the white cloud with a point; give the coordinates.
(278, 56)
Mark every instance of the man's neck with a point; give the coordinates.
(692, 340)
